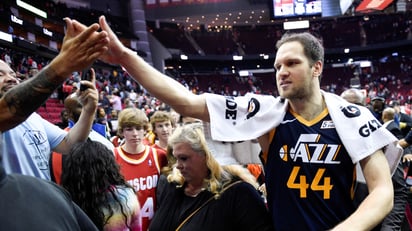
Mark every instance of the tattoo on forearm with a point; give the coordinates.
(25, 98)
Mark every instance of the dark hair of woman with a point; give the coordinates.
(90, 173)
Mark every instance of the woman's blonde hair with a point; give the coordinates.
(218, 177)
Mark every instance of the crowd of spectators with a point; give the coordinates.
(390, 80)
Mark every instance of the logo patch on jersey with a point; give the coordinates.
(327, 124)
(351, 111)
(308, 149)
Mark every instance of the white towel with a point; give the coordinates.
(250, 116)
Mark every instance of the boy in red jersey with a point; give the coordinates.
(140, 164)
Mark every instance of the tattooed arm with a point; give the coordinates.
(22, 100)
(79, 50)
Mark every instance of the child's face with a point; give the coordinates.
(133, 135)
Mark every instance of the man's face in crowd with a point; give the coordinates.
(8, 78)
(163, 130)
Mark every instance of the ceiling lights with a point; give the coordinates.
(223, 21)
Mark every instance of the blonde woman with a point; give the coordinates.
(199, 194)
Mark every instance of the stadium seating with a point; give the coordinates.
(51, 110)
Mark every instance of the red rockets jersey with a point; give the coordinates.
(142, 174)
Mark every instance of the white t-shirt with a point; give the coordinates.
(27, 147)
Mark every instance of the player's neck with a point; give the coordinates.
(308, 108)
